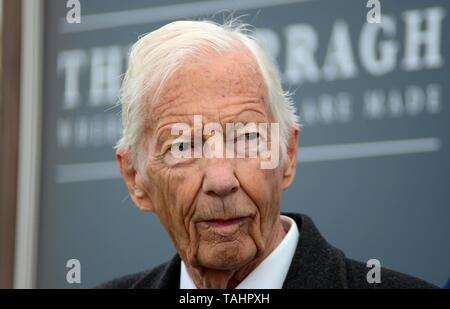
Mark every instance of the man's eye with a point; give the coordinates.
(182, 146)
(251, 135)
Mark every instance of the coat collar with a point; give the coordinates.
(316, 264)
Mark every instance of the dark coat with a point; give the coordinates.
(316, 264)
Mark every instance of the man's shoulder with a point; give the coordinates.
(318, 264)
(390, 279)
(144, 279)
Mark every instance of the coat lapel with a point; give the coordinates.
(316, 264)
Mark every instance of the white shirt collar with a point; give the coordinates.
(272, 271)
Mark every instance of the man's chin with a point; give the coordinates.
(227, 255)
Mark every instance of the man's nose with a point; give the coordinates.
(220, 179)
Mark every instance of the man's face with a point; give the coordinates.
(220, 212)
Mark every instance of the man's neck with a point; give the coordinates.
(228, 279)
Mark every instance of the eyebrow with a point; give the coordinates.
(262, 117)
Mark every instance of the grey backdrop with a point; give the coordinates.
(388, 201)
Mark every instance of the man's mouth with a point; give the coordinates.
(225, 222)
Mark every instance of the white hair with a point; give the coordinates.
(157, 55)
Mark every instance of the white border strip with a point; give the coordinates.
(161, 13)
(29, 145)
(96, 171)
(67, 173)
(368, 149)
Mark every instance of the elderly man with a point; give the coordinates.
(222, 212)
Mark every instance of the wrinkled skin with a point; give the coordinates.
(188, 195)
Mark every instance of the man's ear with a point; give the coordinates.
(290, 163)
(134, 181)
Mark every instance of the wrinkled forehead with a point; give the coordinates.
(210, 83)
